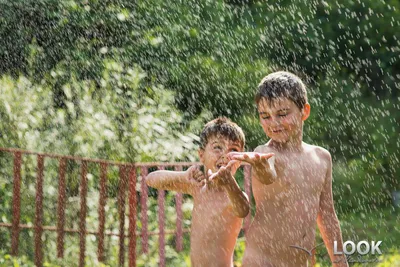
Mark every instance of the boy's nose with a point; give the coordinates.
(276, 120)
(224, 158)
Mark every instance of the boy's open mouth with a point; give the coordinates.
(277, 131)
(219, 165)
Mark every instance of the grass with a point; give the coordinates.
(376, 225)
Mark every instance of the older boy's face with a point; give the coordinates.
(281, 119)
(213, 156)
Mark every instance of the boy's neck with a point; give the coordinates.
(293, 145)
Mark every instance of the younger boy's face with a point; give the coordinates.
(213, 156)
(281, 119)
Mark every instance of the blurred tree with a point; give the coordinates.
(117, 121)
(213, 54)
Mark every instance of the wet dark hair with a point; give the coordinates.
(224, 127)
(282, 84)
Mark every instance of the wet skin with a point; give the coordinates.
(218, 209)
(292, 192)
(286, 210)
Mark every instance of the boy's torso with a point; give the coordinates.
(286, 211)
(214, 230)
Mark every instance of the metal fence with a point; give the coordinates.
(127, 184)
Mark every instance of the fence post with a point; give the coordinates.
(132, 216)
(121, 212)
(179, 218)
(143, 204)
(82, 214)
(16, 204)
(39, 212)
(161, 224)
(61, 208)
(102, 203)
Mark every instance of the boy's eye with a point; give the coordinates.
(265, 117)
(283, 115)
(218, 147)
(234, 150)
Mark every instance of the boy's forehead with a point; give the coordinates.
(219, 138)
(276, 103)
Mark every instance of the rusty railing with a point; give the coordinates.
(128, 173)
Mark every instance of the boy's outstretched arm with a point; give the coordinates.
(327, 220)
(182, 181)
(238, 198)
(263, 165)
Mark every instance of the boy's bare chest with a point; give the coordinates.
(212, 215)
(296, 178)
(211, 204)
(300, 172)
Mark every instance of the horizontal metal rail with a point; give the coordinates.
(127, 199)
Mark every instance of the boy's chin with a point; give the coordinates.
(280, 140)
(212, 168)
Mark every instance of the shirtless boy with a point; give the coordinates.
(291, 181)
(220, 204)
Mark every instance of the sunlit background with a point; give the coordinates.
(134, 81)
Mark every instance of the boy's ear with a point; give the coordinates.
(306, 111)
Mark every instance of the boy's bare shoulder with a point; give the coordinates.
(263, 149)
(320, 152)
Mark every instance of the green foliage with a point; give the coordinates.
(213, 54)
(389, 260)
(135, 81)
(121, 120)
(118, 118)
(7, 260)
(239, 251)
(371, 225)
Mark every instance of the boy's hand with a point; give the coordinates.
(196, 175)
(224, 175)
(261, 162)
